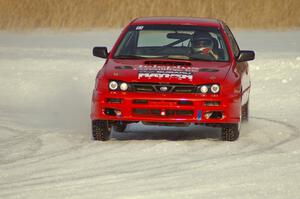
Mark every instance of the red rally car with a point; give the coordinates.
(172, 71)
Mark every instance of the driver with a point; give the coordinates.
(203, 46)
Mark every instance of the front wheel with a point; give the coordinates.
(101, 130)
(230, 132)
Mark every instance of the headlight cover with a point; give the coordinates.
(118, 85)
(113, 85)
(215, 88)
(204, 89)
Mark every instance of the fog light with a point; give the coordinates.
(207, 115)
(118, 113)
(214, 115)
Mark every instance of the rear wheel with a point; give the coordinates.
(101, 130)
(119, 127)
(230, 132)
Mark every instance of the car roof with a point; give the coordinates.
(178, 21)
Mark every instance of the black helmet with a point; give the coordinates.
(200, 43)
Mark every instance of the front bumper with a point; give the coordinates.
(165, 107)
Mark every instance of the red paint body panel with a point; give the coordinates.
(199, 78)
(232, 76)
(229, 105)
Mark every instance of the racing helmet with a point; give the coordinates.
(198, 44)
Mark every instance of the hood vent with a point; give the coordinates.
(124, 67)
(209, 70)
(168, 63)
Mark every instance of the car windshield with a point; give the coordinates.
(172, 42)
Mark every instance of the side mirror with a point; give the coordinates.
(246, 55)
(100, 52)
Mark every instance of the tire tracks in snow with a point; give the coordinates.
(33, 142)
(294, 133)
(134, 167)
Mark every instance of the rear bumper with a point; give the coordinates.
(166, 108)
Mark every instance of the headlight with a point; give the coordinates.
(215, 88)
(124, 86)
(209, 89)
(113, 85)
(204, 89)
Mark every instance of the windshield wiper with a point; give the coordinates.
(200, 58)
(179, 57)
(129, 57)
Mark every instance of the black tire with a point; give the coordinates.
(245, 112)
(230, 132)
(101, 130)
(120, 127)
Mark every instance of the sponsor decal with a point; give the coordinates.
(168, 68)
(176, 72)
(139, 28)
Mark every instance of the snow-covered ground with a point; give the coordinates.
(46, 151)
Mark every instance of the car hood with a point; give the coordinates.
(166, 71)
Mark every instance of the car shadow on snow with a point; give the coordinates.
(145, 132)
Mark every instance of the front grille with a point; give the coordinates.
(163, 102)
(185, 89)
(140, 101)
(163, 88)
(184, 112)
(157, 112)
(143, 88)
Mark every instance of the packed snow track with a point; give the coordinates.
(46, 150)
